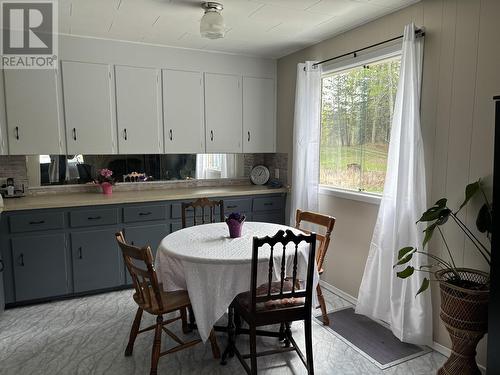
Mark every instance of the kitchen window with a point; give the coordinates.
(357, 104)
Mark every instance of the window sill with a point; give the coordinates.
(352, 195)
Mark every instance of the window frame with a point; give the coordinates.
(385, 53)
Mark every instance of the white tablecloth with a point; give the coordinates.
(215, 268)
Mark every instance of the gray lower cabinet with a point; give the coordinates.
(96, 260)
(143, 235)
(50, 253)
(39, 266)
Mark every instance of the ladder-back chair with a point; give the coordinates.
(150, 297)
(203, 210)
(275, 302)
(327, 222)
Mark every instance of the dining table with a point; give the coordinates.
(214, 268)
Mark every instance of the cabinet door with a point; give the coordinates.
(259, 125)
(223, 114)
(183, 112)
(32, 108)
(87, 105)
(96, 260)
(143, 235)
(39, 266)
(138, 110)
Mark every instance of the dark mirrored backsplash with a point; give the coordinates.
(81, 169)
(46, 170)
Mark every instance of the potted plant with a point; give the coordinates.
(106, 180)
(464, 291)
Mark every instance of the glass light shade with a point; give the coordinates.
(212, 25)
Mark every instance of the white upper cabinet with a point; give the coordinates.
(33, 121)
(183, 112)
(90, 126)
(223, 113)
(259, 125)
(138, 110)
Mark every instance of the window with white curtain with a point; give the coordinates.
(357, 102)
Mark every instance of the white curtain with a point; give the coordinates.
(306, 138)
(382, 295)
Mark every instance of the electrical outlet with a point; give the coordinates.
(277, 173)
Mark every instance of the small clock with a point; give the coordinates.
(259, 175)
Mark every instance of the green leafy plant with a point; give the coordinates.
(437, 216)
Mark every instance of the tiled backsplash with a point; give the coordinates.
(14, 167)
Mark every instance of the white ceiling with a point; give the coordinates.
(267, 28)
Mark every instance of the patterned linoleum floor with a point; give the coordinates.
(88, 336)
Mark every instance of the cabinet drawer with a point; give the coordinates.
(267, 217)
(267, 203)
(144, 213)
(36, 221)
(237, 205)
(87, 218)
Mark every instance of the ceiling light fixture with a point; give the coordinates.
(212, 23)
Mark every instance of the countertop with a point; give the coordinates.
(31, 202)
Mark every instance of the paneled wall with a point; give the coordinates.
(461, 75)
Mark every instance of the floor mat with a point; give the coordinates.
(371, 339)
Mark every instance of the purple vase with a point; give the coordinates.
(235, 227)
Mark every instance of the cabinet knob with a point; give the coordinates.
(211, 135)
(249, 136)
(125, 134)
(171, 136)
(17, 132)
(21, 260)
(74, 134)
(80, 256)
(2, 267)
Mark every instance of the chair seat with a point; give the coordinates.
(171, 301)
(244, 299)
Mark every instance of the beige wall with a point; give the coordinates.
(461, 75)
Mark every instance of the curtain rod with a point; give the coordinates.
(418, 33)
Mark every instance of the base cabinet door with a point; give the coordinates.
(144, 235)
(96, 260)
(39, 266)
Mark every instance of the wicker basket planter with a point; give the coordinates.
(464, 313)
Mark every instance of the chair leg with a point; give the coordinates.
(281, 336)
(215, 346)
(309, 348)
(192, 319)
(253, 350)
(155, 357)
(288, 334)
(229, 351)
(322, 305)
(185, 327)
(133, 332)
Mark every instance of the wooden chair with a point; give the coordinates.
(278, 302)
(201, 206)
(150, 297)
(324, 240)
